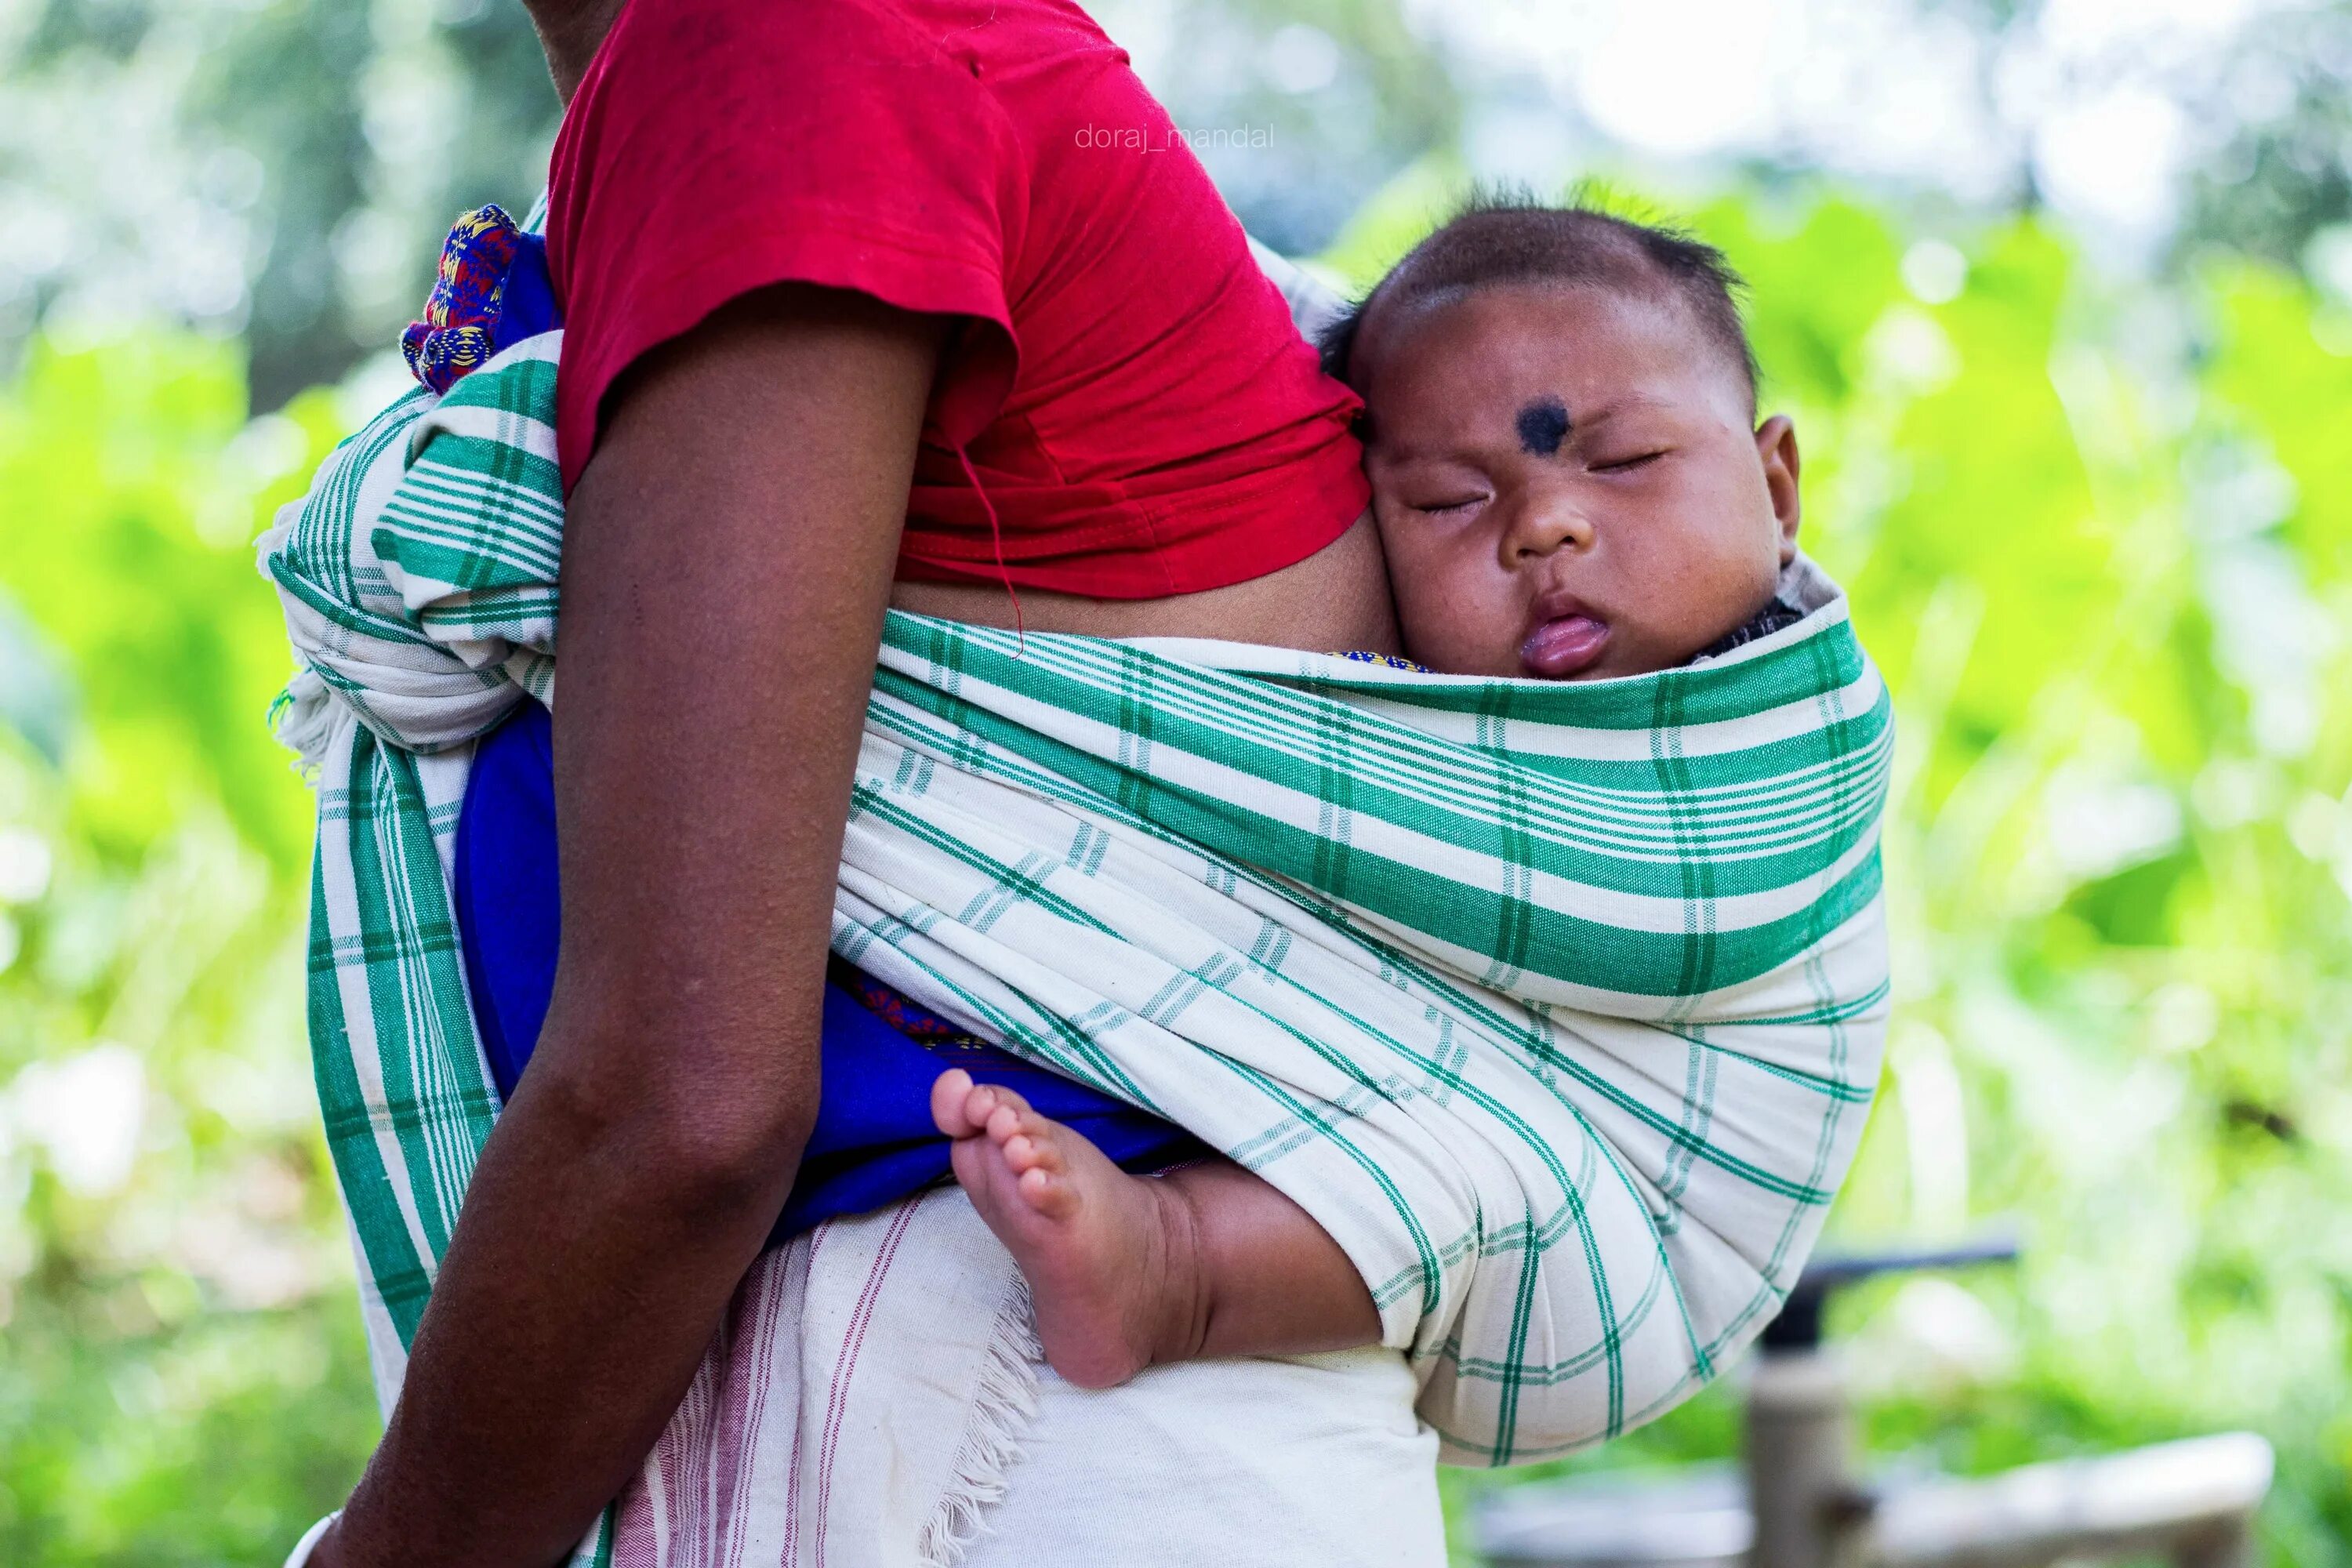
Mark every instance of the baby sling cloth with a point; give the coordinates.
(873, 1141)
(1558, 1005)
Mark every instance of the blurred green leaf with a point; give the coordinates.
(181, 1379)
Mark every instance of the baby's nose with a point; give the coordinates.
(1547, 524)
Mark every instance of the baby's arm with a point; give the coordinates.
(1126, 1272)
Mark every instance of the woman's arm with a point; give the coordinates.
(727, 554)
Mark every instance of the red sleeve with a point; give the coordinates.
(716, 146)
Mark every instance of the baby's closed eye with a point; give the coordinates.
(1625, 462)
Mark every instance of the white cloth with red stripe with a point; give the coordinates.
(873, 1400)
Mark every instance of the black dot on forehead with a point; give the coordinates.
(1543, 426)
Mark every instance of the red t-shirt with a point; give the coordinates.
(1128, 386)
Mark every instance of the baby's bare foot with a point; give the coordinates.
(1109, 1257)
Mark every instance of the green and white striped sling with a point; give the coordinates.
(1559, 1005)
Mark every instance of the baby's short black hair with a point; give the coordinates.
(1503, 238)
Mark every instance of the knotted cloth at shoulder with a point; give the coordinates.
(1558, 1005)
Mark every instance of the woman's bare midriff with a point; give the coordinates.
(1338, 598)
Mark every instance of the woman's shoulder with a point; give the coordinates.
(733, 37)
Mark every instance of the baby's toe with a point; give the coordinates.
(1033, 1148)
(1003, 1101)
(1013, 1117)
(1049, 1192)
(953, 1093)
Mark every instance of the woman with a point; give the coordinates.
(858, 313)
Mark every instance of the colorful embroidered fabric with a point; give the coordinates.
(900, 1011)
(492, 293)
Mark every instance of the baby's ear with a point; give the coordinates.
(1776, 448)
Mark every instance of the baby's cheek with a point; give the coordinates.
(1423, 589)
(1733, 586)
(1457, 620)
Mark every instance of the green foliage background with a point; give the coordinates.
(2097, 530)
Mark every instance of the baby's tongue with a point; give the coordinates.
(1567, 645)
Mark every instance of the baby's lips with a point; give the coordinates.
(1564, 645)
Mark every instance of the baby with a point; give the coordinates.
(1571, 484)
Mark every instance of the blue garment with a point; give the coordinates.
(874, 1141)
(527, 303)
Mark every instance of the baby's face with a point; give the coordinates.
(1567, 482)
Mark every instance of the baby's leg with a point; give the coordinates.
(1127, 1272)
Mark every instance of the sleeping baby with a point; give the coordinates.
(1571, 484)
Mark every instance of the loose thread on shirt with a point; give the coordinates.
(996, 538)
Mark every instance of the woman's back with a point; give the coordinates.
(1126, 412)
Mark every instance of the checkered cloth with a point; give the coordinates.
(1558, 1005)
